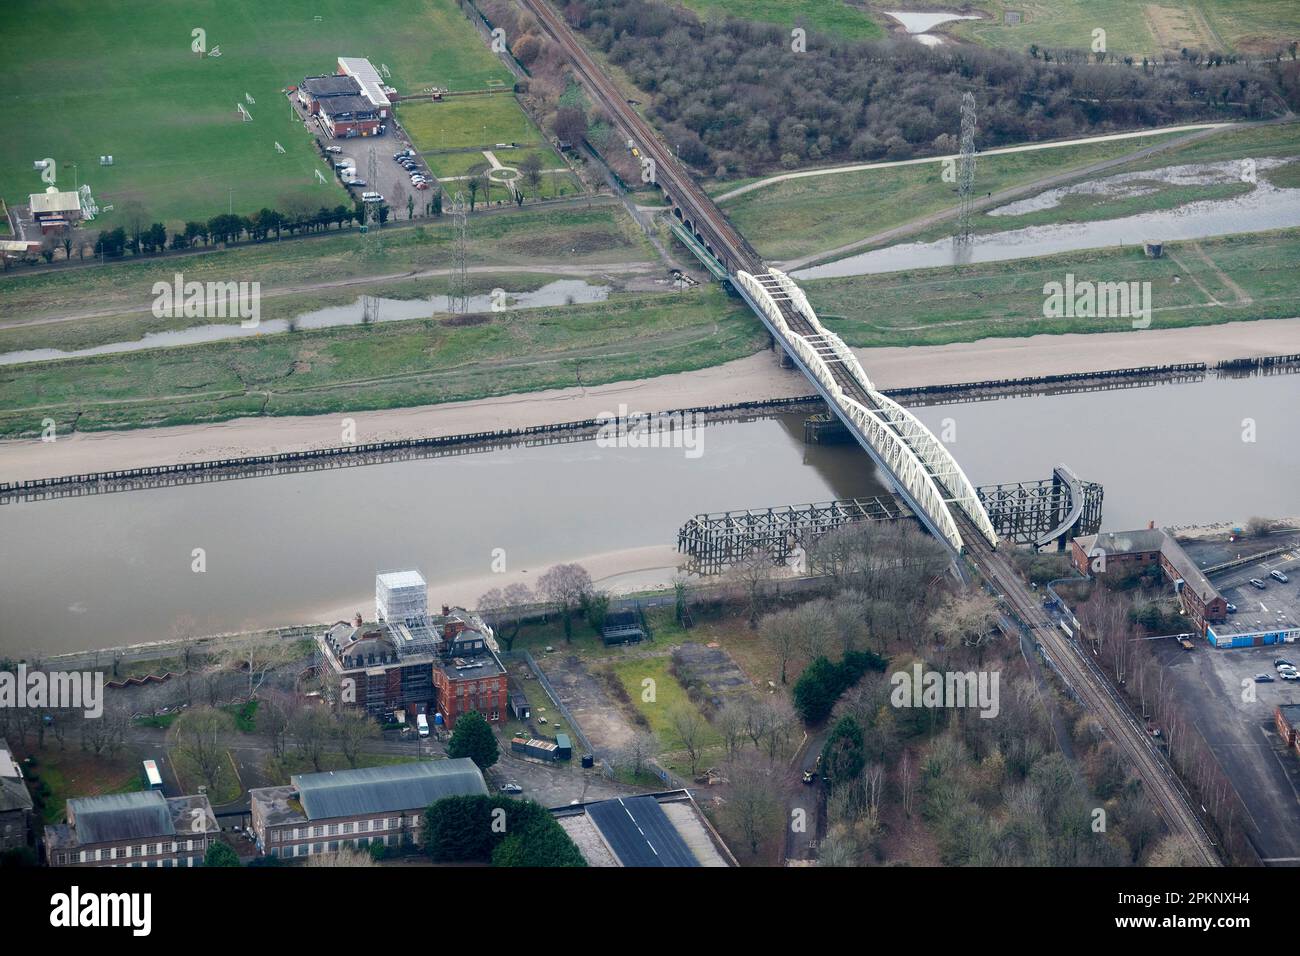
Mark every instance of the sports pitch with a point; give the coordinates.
(90, 79)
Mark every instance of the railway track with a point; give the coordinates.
(1095, 692)
(736, 254)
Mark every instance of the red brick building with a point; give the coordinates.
(437, 664)
(142, 829)
(1120, 552)
(323, 812)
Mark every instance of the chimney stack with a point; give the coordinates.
(446, 611)
(356, 621)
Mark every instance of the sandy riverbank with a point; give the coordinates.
(748, 379)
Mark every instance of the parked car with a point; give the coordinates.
(1282, 661)
(511, 788)
(333, 149)
(809, 777)
(1278, 576)
(1263, 678)
(355, 182)
(421, 185)
(343, 164)
(1289, 675)
(1256, 582)
(1232, 608)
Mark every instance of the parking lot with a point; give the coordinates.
(1274, 607)
(1235, 715)
(390, 180)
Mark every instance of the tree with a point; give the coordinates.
(753, 807)
(353, 727)
(474, 180)
(779, 634)
(636, 754)
(197, 737)
(531, 171)
(753, 572)
(258, 655)
(220, 854)
(568, 586)
(310, 728)
(843, 756)
(503, 609)
(570, 124)
(1258, 527)
(344, 856)
(692, 730)
(966, 620)
(473, 738)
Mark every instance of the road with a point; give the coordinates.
(730, 247)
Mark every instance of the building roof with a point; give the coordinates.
(278, 805)
(341, 105)
(401, 579)
(120, 816)
(8, 766)
(54, 201)
(640, 833)
(1291, 712)
(14, 795)
(372, 84)
(1152, 539)
(347, 793)
(331, 84)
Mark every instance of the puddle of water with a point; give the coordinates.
(1143, 183)
(560, 292)
(1264, 208)
(920, 22)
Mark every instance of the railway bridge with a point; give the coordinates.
(925, 474)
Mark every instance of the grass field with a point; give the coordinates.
(1247, 26)
(804, 216)
(510, 238)
(1281, 140)
(383, 366)
(88, 79)
(830, 16)
(1221, 280)
(468, 122)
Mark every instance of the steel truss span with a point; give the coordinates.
(926, 472)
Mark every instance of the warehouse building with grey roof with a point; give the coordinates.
(322, 812)
(142, 829)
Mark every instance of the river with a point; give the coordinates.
(99, 571)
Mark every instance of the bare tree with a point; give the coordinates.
(257, 655)
(968, 619)
(344, 856)
(503, 609)
(753, 806)
(692, 730)
(197, 736)
(567, 586)
(353, 727)
(729, 722)
(311, 728)
(753, 573)
(637, 753)
(780, 632)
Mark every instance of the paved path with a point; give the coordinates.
(1026, 148)
(1006, 195)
